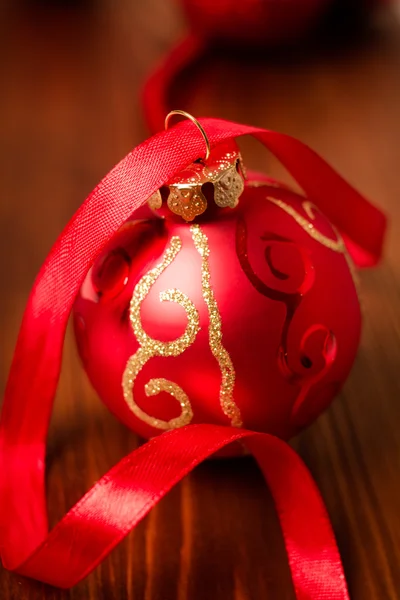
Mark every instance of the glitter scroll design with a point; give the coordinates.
(336, 245)
(150, 347)
(228, 404)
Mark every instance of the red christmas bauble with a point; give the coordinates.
(244, 314)
(253, 21)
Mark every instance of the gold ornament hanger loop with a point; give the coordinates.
(191, 118)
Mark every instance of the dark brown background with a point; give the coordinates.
(69, 109)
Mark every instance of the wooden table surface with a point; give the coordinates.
(69, 110)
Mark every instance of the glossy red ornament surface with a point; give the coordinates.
(288, 314)
(253, 21)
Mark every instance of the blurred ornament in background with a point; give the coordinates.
(252, 22)
(252, 29)
(266, 22)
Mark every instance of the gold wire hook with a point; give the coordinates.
(187, 115)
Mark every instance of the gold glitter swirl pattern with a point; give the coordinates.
(228, 405)
(337, 245)
(150, 347)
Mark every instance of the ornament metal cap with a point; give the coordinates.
(222, 167)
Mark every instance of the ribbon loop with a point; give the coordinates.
(125, 495)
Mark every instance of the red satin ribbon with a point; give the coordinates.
(116, 503)
(119, 500)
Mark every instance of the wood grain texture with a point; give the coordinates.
(69, 110)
